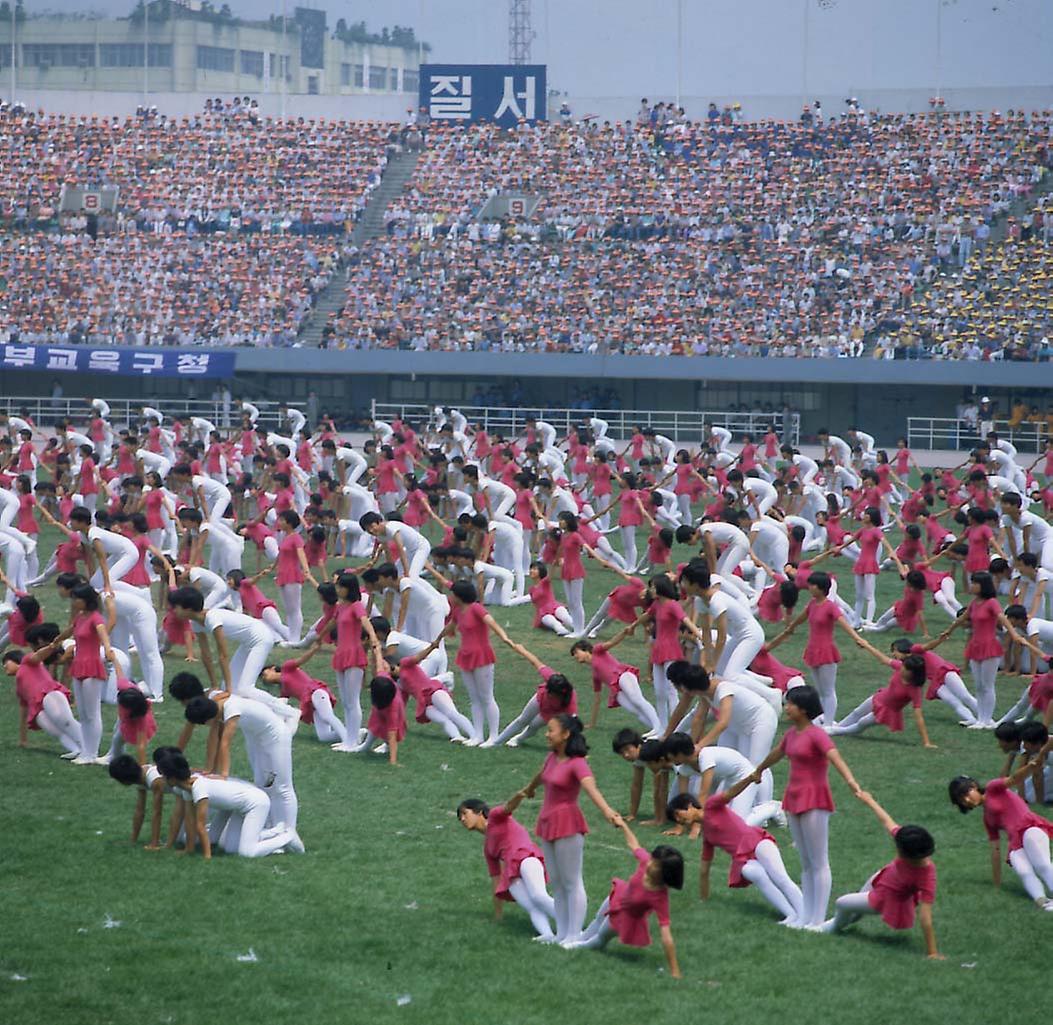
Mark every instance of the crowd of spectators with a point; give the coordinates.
(667, 236)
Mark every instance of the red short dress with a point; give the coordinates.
(820, 650)
(135, 730)
(983, 616)
(392, 719)
(631, 903)
(889, 702)
(301, 686)
(475, 651)
(899, 888)
(506, 847)
(808, 787)
(727, 830)
(560, 814)
(1006, 811)
(32, 684)
(87, 659)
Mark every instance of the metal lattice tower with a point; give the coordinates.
(520, 32)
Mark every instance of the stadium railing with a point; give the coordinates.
(924, 432)
(45, 411)
(677, 425)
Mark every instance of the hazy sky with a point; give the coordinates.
(626, 48)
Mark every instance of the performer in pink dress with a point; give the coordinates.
(560, 825)
(514, 862)
(808, 801)
(44, 702)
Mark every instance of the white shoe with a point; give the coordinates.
(81, 760)
(473, 742)
(545, 939)
(296, 844)
(572, 944)
(345, 748)
(779, 819)
(512, 742)
(489, 743)
(382, 750)
(103, 760)
(70, 755)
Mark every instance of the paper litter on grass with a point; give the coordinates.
(401, 1001)
(249, 958)
(111, 923)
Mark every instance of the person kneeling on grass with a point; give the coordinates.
(896, 890)
(625, 911)
(387, 720)
(514, 861)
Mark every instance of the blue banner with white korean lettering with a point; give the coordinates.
(466, 93)
(83, 359)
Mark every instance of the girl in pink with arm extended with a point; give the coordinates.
(808, 801)
(895, 891)
(561, 826)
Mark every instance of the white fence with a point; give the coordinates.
(949, 433)
(45, 412)
(678, 425)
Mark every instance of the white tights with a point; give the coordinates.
(526, 723)
(350, 683)
(865, 587)
(269, 615)
(599, 617)
(860, 718)
(88, 695)
(664, 692)
(947, 599)
(824, 679)
(480, 686)
(559, 622)
(768, 873)
(810, 832)
(241, 834)
(564, 859)
(599, 931)
(984, 675)
(629, 547)
(574, 589)
(1031, 863)
(956, 694)
(850, 908)
(327, 727)
(56, 717)
(631, 698)
(292, 602)
(530, 894)
(443, 711)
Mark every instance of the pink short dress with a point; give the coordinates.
(808, 787)
(475, 651)
(33, 682)
(415, 683)
(766, 664)
(624, 600)
(898, 888)
(301, 686)
(87, 659)
(253, 600)
(668, 615)
(135, 730)
(506, 847)
(1040, 691)
(392, 719)
(570, 548)
(349, 654)
(543, 600)
(978, 556)
(1006, 811)
(769, 604)
(936, 670)
(631, 903)
(560, 815)
(548, 707)
(289, 569)
(908, 608)
(983, 616)
(629, 514)
(889, 702)
(820, 650)
(869, 541)
(724, 828)
(607, 672)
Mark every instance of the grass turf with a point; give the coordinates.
(389, 917)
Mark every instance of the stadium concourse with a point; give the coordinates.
(865, 234)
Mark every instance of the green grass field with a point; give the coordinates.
(388, 917)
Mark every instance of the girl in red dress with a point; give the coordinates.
(895, 891)
(293, 569)
(514, 862)
(548, 613)
(560, 825)
(983, 650)
(1005, 811)
(820, 653)
(808, 801)
(870, 538)
(626, 909)
(554, 696)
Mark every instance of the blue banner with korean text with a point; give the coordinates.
(82, 359)
(466, 93)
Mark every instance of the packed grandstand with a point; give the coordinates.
(876, 235)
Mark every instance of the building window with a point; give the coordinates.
(378, 78)
(252, 62)
(345, 74)
(58, 55)
(360, 75)
(312, 85)
(410, 81)
(215, 58)
(393, 79)
(130, 55)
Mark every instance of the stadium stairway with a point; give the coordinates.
(370, 225)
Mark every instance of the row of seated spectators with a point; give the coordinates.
(744, 239)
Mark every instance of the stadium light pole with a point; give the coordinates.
(14, 70)
(146, 53)
(804, 53)
(679, 48)
(283, 62)
(939, 46)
